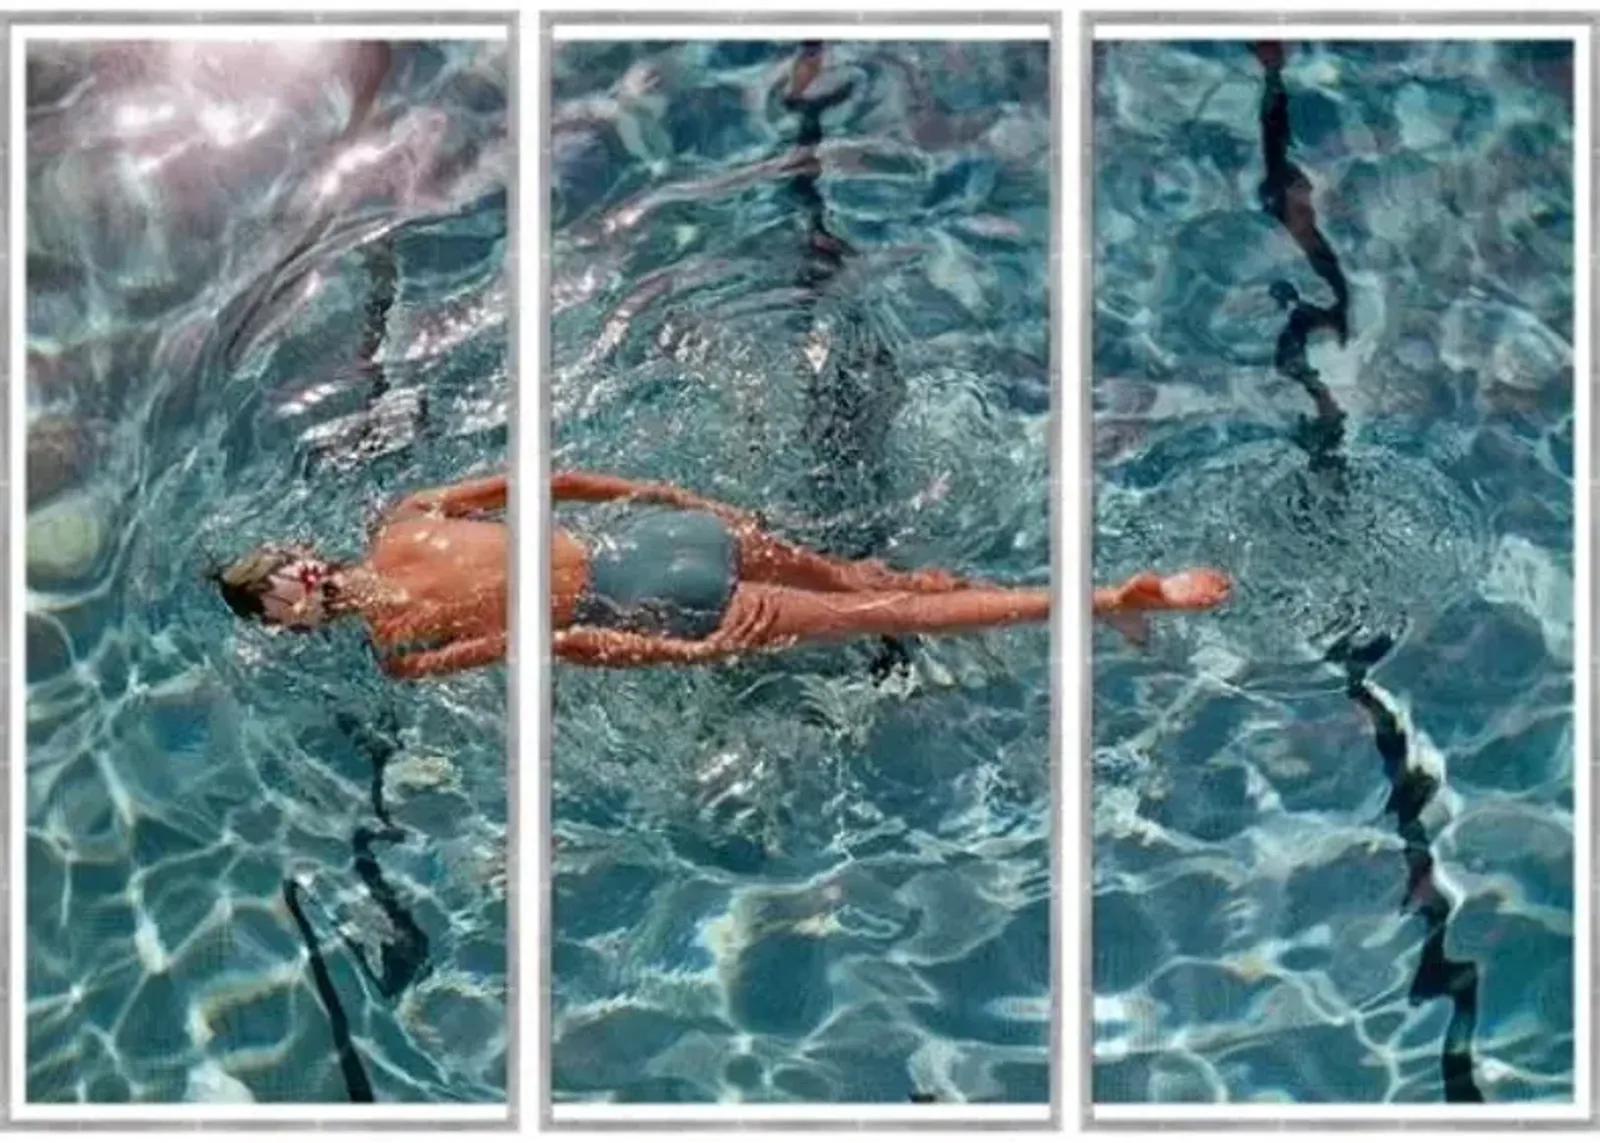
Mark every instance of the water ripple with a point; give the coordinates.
(1263, 931)
(810, 279)
(265, 294)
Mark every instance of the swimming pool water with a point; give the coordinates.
(825, 299)
(265, 295)
(1288, 905)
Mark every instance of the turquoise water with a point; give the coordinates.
(266, 294)
(822, 876)
(1324, 874)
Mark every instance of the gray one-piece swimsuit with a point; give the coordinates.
(666, 571)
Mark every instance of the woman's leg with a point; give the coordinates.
(764, 558)
(765, 615)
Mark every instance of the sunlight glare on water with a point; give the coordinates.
(266, 294)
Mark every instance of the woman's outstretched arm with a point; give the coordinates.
(461, 655)
(485, 494)
(596, 487)
(602, 647)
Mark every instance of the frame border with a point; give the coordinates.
(846, 1117)
(1584, 534)
(403, 1117)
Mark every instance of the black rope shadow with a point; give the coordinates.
(833, 408)
(1286, 195)
(1410, 791)
(356, 1081)
(405, 959)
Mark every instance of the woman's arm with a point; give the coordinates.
(595, 487)
(486, 494)
(462, 655)
(601, 647)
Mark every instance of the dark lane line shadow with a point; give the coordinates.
(840, 395)
(356, 1081)
(1286, 195)
(404, 960)
(1410, 791)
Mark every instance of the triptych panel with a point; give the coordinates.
(1022, 571)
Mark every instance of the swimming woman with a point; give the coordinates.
(689, 580)
(432, 589)
(682, 579)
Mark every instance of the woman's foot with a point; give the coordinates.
(1192, 589)
(1195, 589)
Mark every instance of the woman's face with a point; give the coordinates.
(297, 597)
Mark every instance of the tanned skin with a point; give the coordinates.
(442, 575)
(788, 595)
(433, 589)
